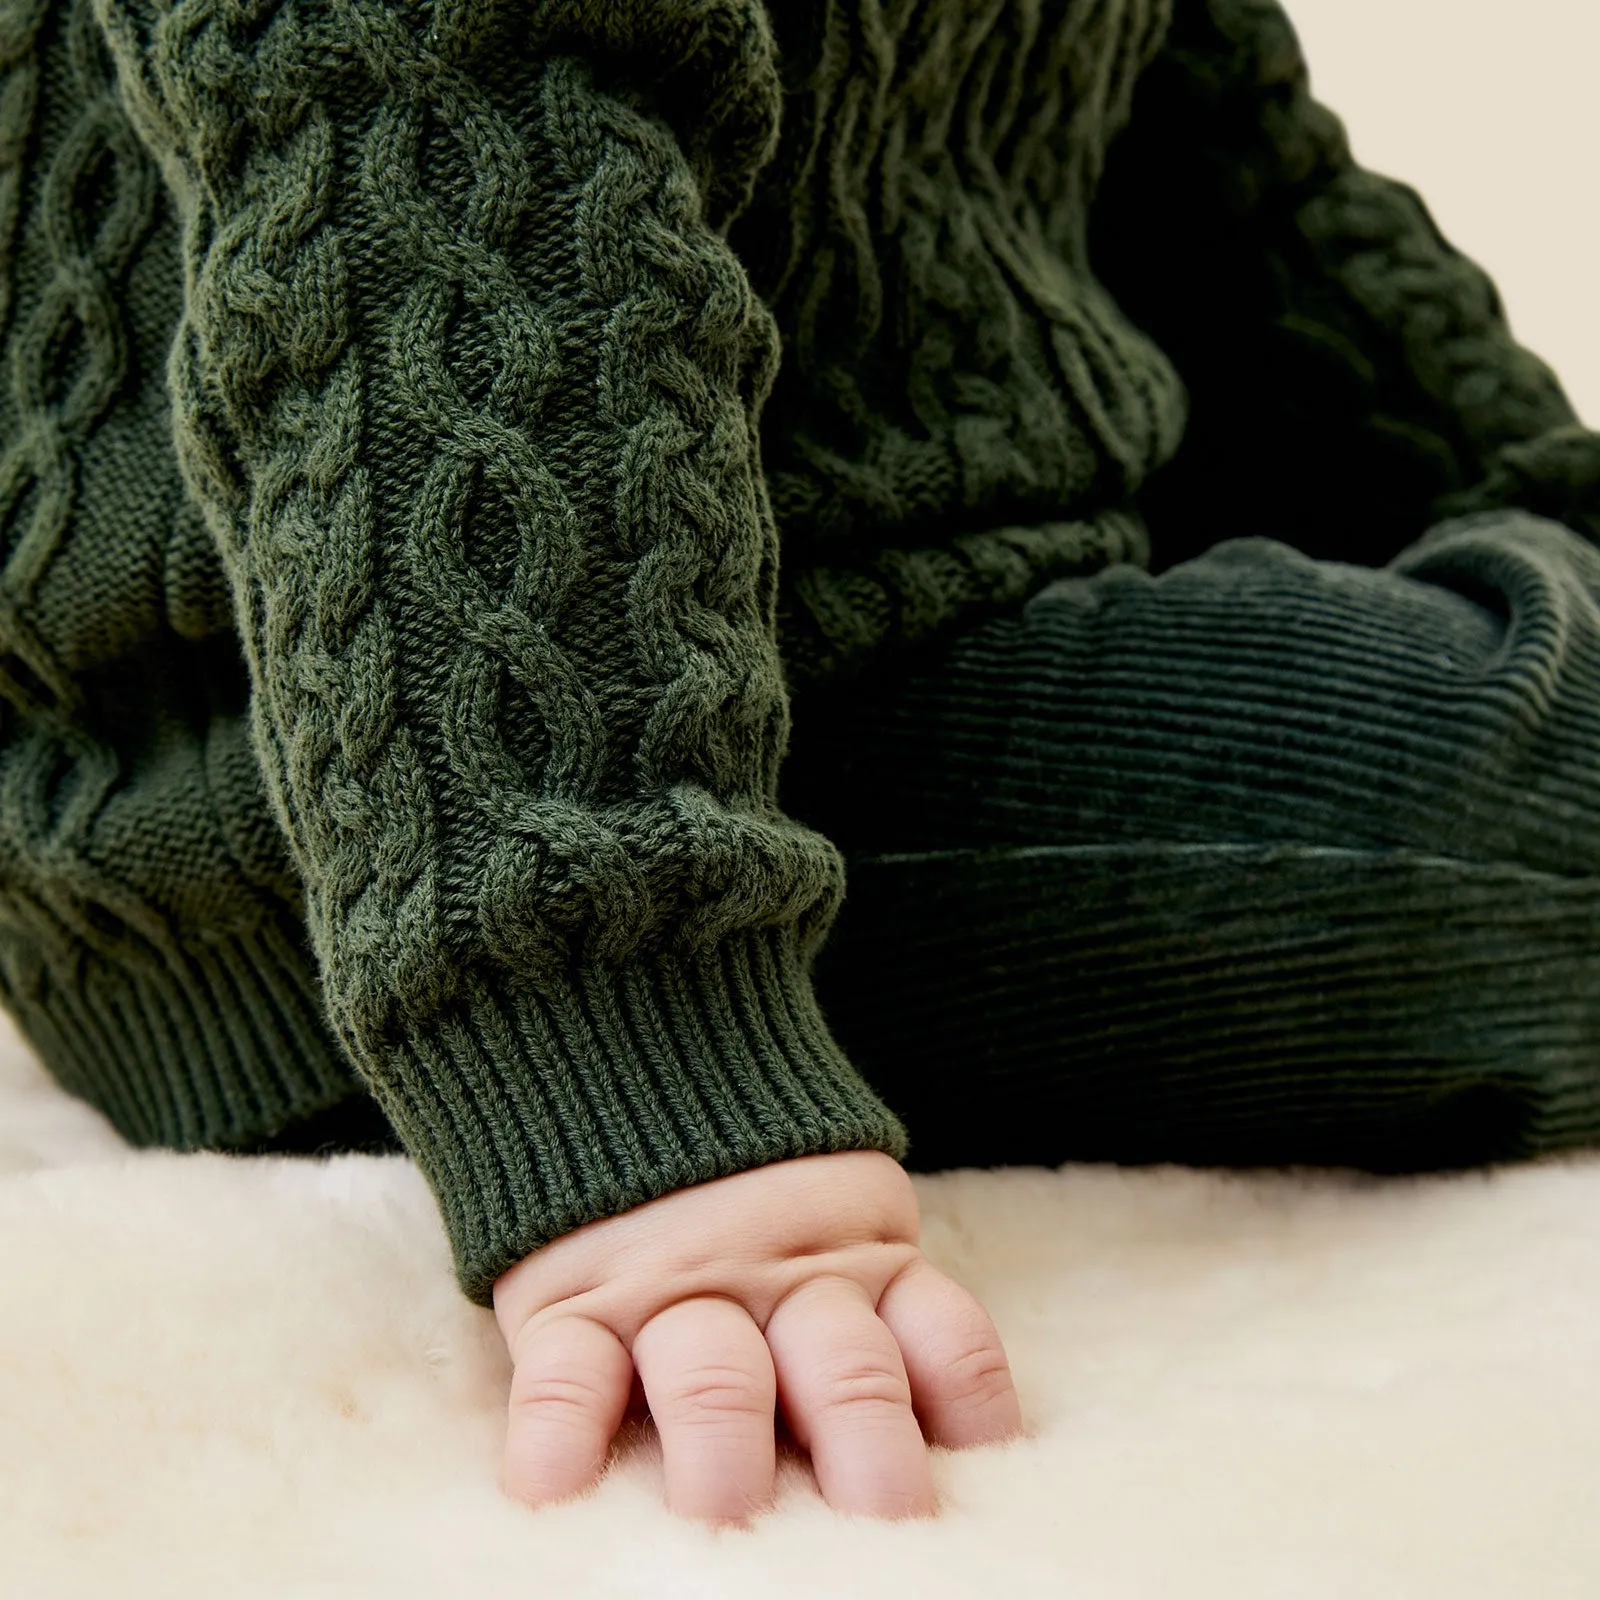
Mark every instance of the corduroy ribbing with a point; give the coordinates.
(1263, 859)
(1450, 704)
(1222, 1004)
(536, 1108)
(207, 1043)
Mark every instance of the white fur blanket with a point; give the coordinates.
(247, 1378)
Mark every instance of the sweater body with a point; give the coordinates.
(963, 412)
(404, 410)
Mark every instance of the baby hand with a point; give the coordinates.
(798, 1284)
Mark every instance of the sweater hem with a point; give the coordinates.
(208, 1043)
(534, 1109)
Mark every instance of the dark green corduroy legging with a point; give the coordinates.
(1260, 860)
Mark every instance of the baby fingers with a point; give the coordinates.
(845, 1393)
(708, 1377)
(568, 1394)
(960, 1379)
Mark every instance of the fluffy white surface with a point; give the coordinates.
(256, 1378)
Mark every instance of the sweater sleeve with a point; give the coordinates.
(1352, 376)
(468, 383)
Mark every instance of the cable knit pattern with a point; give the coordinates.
(66, 356)
(469, 388)
(148, 937)
(954, 367)
(74, 314)
(603, 810)
(472, 318)
(1327, 333)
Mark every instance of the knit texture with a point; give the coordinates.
(150, 937)
(396, 653)
(1352, 376)
(467, 388)
(963, 411)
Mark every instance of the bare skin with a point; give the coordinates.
(796, 1287)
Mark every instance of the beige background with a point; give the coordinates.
(1491, 108)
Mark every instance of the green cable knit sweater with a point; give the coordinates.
(395, 657)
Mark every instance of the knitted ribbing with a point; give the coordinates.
(149, 942)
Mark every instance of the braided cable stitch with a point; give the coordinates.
(467, 384)
(135, 952)
(951, 347)
(424, 649)
(1325, 328)
(955, 375)
(66, 364)
(68, 357)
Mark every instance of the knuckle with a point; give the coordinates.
(978, 1374)
(863, 1390)
(707, 1395)
(552, 1397)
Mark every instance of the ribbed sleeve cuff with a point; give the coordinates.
(535, 1109)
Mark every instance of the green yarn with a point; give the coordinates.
(953, 370)
(395, 654)
(1352, 376)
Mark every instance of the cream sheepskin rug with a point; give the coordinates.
(226, 1377)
